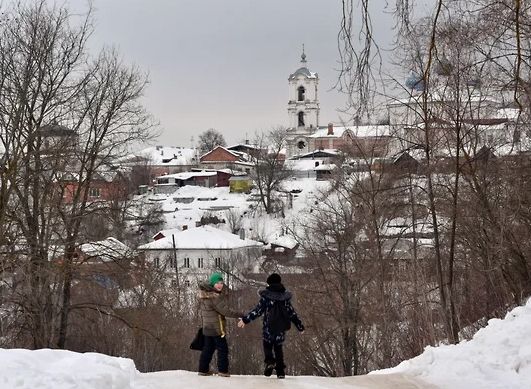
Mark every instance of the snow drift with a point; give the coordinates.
(498, 356)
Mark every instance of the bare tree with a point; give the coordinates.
(66, 116)
(210, 139)
(269, 171)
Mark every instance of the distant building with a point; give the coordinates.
(171, 182)
(196, 252)
(106, 185)
(222, 158)
(160, 160)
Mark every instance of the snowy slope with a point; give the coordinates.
(498, 356)
(56, 369)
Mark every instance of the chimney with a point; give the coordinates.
(330, 129)
(242, 234)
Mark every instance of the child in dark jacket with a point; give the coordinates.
(275, 293)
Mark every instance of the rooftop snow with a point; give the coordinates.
(106, 250)
(200, 238)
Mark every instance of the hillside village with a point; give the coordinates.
(401, 227)
(195, 197)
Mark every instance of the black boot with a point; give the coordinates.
(281, 373)
(269, 369)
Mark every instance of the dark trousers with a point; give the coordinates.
(277, 358)
(213, 343)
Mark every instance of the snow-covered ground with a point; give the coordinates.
(498, 357)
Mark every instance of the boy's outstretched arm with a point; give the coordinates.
(256, 312)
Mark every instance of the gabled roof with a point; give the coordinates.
(233, 153)
(241, 157)
(201, 238)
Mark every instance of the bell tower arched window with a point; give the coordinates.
(301, 92)
(301, 119)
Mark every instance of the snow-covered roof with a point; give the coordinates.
(509, 113)
(443, 93)
(286, 241)
(371, 130)
(303, 71)
(188, 175)
(168, 232)
(318, 153)
(106, 250)
(325, 167)
(163, 156)
(244, 146)
(201, 238)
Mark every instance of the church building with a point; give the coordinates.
(303, 109)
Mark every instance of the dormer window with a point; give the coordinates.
(301, 91)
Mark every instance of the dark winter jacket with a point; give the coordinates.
(214, 307)
(273, 293)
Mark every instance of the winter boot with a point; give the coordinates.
(280, 373)
(269, 369)
(222, 374)
(208, 373)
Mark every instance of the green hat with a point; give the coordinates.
(215, 278)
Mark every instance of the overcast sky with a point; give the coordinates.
(224, 64)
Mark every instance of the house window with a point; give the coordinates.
(156, 262)
(174, 283)
(200, 263)
(173, 263)
(186, 283)
(301, 119)
(217, 262)
(186, 262)
(94, 192)
(301, 91)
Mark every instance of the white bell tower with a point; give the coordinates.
(303, 108)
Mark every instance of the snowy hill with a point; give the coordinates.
(499, 356)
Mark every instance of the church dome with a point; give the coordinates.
(303, 71)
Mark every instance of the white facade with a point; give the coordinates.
(303, 109)
(195, 253)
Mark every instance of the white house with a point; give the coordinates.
(192, 254)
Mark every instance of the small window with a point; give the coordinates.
(173, 263)
(186, 283)
(174, 283)
(217, 262)
(94, 192)
(156, 262)
(186, 262)
(200, 263)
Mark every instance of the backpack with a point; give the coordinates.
(278, 317)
